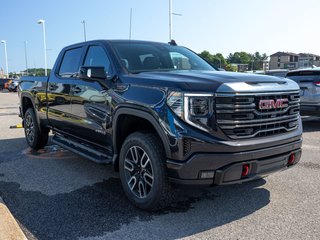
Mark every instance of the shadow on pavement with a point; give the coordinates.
(101, 208)
(311, 124)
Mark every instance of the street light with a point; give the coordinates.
(41, 21)
(6, 56)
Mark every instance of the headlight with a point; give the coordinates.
(175, 102)
(194, 108)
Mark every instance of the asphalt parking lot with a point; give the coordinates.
(54, 194)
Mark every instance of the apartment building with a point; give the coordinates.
(288, 60)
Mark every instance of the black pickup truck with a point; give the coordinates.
(161, 114)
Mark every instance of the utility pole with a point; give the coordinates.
(84, 30)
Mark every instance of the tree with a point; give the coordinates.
(239, 57)
(217, 59)
(37, 71)
(231, 68)
(257, 60)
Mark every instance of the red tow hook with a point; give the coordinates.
(245, 170)
(291, 159)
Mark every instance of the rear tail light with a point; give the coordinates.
(317, 84)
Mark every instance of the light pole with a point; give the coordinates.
(170, 19)
(26, 56)
(41, 21)
(6, 56)
(84, 30)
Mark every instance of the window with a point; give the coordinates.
(70, 63)
(144, 57)
(180, 61)
(97, 57)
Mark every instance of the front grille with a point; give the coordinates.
(239, 115)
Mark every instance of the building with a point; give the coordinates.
(241, 67)
(308, 60)
(288, 60)
(284, 60)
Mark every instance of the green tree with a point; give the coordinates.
(216, 59)
(257, 60)
(37, 71)
(239, 57)
(231, 68)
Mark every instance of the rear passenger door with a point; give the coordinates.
(91, 102)
(59, 86)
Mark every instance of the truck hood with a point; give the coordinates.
(212, 81)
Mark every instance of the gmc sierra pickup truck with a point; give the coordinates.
(161, 114)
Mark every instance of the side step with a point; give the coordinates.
(83, 150)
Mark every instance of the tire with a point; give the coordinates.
(36, 138)
(143, 172)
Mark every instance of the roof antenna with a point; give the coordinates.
(172, 42)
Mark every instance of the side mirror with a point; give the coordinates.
(92, 73)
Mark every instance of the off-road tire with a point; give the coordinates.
(159, 194)
(36, 137)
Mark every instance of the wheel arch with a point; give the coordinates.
(130, 118)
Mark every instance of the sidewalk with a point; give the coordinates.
(9, 228)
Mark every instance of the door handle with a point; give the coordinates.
(76, 90)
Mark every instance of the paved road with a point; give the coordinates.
(55, 194)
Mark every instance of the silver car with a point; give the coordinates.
(309, 82)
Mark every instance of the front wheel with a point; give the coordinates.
(36, 137)
(143, 171)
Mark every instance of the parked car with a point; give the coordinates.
(277, 72)
(3, 83)
(309, 83)
(13, 85)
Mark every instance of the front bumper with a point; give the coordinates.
(227, 167)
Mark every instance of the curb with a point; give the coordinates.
(9, 228)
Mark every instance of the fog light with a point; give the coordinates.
(206, 174)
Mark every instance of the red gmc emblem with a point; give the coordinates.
(273, 104)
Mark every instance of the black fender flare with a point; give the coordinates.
(142, 114)
(31, 98)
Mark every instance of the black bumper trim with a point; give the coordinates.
(189, 170)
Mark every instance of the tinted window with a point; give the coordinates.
(139, 57)
(303, 73)
(97, 57)
(70, 63)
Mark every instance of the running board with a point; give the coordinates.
(82, 150)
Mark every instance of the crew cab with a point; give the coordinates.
(161, 115)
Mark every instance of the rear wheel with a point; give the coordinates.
(143, 171)
(36, 137)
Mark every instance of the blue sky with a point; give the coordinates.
(225, 26)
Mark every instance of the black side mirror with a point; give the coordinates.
(92, 73)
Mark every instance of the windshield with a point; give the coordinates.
(142, 57)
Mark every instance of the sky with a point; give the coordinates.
(217, 26)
